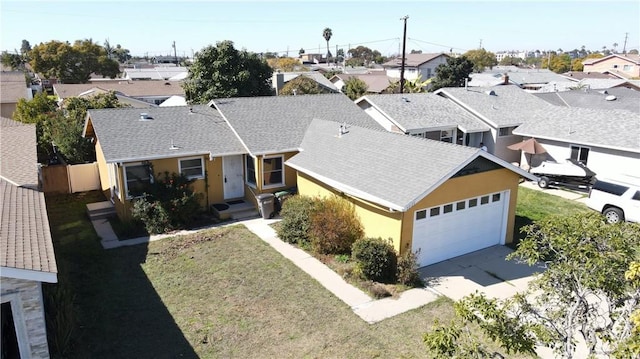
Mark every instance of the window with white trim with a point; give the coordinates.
(192, 167)
(137, 178)
(250, 170)
(580, 154)
(273, 171)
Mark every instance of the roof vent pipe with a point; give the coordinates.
(145, 117)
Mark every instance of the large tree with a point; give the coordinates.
(222, 71)
(327, 33)
(72, 63)
(363, 56)
(286, 64)
(302, 85)
(63, 126)
(354, 88)
(589, 293)
(452, 74)
(481, 59)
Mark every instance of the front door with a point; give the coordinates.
(233, 182)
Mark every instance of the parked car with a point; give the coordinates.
(618, 199)
(570, 172)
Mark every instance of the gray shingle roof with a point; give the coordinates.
(127, 88)
(510, 106)
(369, 163)
(13, 86)
(124, 137)
(602, 128)
(625, 99)
(412, 60)
(25, 237)
(18, 156)
(274, 124)
(377, 81)
(417, 111)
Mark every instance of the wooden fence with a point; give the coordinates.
(70, 178)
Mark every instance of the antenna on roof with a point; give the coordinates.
(173, 146)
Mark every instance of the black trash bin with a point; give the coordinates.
(266, 205)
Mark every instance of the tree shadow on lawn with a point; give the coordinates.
(118, 312)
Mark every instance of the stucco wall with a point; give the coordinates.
(377, 222)
(26, 299)
(609, 64)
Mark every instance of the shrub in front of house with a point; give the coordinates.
(296, 219)
(407, 272)
(335, 226)
(375, 259)
(167, 204)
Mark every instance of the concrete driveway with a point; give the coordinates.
(486, 271)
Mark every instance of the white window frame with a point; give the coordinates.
(199, 176)
(580, 149)
(126, 181)
(247, 172)
(276, 185)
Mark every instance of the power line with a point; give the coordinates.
(433, 43)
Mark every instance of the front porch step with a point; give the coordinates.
(100, 210)
(245, 214)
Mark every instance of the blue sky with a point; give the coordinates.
(433, 26)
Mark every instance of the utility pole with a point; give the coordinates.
(175, 54)
(404, 49)
(480, 44)
(624, 48)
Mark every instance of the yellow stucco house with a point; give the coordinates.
(441, 198)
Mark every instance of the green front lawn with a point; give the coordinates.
(535, 205)
(220, 293)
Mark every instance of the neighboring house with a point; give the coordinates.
(152, 92)
(606, 141)
(502, 108)
(377, 81)
(437, 198)
(619, 98)
(425, 115)
(234, 149)
(312, 58)
(174, 101)
(122, 99)
(279, 79)
(603, 84)
(415, 65)
(13, 87)
(159, 73)
(622, 66)
(26, 249)
(530, 80)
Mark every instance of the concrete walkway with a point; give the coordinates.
(567, 193)
(365, 307)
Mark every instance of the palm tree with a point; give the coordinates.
(326, 33)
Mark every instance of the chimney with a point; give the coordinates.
(278, 82)
(505, 79)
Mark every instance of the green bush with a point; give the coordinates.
(167, 204)
(334, 226)
(296, 219)
(375, 259)
(407, 272)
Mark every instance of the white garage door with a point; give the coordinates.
(457, 228)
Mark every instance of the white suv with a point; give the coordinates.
(618, 199)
